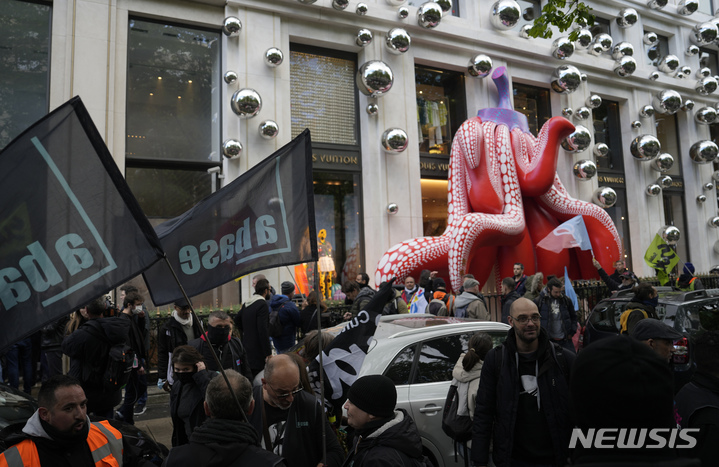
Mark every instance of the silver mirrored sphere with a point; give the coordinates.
(715, 176)
(529, 14)
(670, 234)
(307, 2)
(594, 101)
(645, 147)
(230, 77)
(395, 140)
(578, 140)
(584, 170)
(364, 37)
(429, 15)
(636, 124)
(650, 38)
(524, 31)
(585, 38)
(668, 64)
(274, 57)
(604, 197)
(505, 14)
(565, 79)
(601, 150)
(446, 5)
(372, 109)
(653, 76)
(567, 112)
(395, 2)
(605, 41)
(582, 113)
(691, 51)
(627, 18)
(665, 181)
(687, 7)
(688, 105)
(340, 4)
(647, 111)
(361, 9)
(625, 66)
(621, 49)
(231, 148)
(397, 41)
(709, 186)
(663, 162)
(705, 115)
(374, 78)
(701, 199)
(667, 102)
(232, 26)
(685, 70)
(479, 66)
(703, 152)
(562, 48)
(653, 190)
(704, 72)
(402, 12)
(680, 75)
(706, 86)
(269, 129)
(392, 208)
(596, 49)
(583, 77)
(714, 222)
(657, 4)
(246, 103)
(704, 34)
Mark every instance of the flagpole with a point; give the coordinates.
(212, 350)
(320, 340)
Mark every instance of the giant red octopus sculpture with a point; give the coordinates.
(504, 196)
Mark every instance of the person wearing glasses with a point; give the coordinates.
(523, 397)
(289, 420)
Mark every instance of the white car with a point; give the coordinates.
(418, 352)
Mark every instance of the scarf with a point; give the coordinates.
(184, 322)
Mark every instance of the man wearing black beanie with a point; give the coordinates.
(383, 436)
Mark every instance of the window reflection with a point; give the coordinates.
(438, 357)
(400, 369)
(441, 108)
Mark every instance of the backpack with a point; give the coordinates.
(625, 317)
(461, 312)
(458, 427)
(114, 370)
(276, 327)
(391, 308)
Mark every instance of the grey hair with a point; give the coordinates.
(219, 398)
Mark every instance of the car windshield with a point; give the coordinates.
(14, 407)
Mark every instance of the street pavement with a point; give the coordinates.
(156, 420)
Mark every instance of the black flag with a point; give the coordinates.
(70, 230)
(263, 219)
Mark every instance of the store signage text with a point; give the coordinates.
(334, 159)
(433, 166)
(605, 179)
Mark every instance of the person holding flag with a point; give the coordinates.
(662, 258)
(628, 279)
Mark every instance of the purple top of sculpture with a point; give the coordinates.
(504, 113)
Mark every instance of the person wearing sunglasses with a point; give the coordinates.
(523, 396)
(290, 420)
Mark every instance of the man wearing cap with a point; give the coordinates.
(625, 280)
(289, 316)
(657, 335)
(686, 281)
(470, 304)
(180, 329)
(384, 436)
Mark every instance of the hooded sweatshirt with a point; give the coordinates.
(467, 384)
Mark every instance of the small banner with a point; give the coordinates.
(570, 234)
(263, 219)
(661, 257)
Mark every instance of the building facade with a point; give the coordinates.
(158, 78)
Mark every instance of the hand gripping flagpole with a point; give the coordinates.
(214, 354)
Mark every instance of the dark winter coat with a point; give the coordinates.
(698, 407)
(636, 314)
(393, 442)
(309, 318)
(362, 299)
(507, 301)
(498, 400)
(223, 443)
(566, 312)
(192, 400)
(172, 336)
(290, 319)
(253, 320)
(232, 355)
(521, 285)
(612, 283)
(136, 339)
(88, 348)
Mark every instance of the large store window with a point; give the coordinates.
(173, 115)
(24, 65)
(610, 168)
(534, 103)
(329, 109)
(434, 206)
(667, 135)
(655, 52)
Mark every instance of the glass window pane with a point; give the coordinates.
(618, 214)
(705, 6)
(534, 103)
(438, 357)
(400, 369)
(607, 130)
(708, 59)
(655, 52)
(667, 135)
(173, 93)
(600, 26)
(434, 206)
(441, 108)
(24, 65)
(323, 96)
(530, 11)
(168, 193)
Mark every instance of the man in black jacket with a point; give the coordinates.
(88, 349)
(509, 295)
(523, 398)
(252, 320)
(137, 385)
(180, 329)
(290, 420)
(225, 438)
(383, 436)
(229, 349)
(559, 318)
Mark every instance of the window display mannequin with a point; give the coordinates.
(326, 265)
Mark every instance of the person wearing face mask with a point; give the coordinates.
(137, 385)
(188, 393)
(229, 349)
(177, 331)
(642, 306)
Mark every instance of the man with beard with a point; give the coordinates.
(180, 329)
(523, 397)
(228, 348)
(509, 295)
(289, 420)
(559, 317)
(60, 434)
(519, 279)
